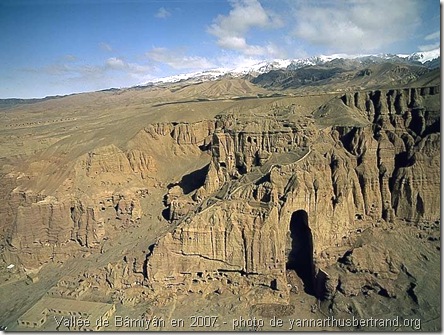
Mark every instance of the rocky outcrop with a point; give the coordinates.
(141, 162)
(184, 133)
(101, 192)
(415, 186)
(106, 159)
(342, 179)
(406, 137)
(228, 236)
(274, 183)
(49, 228)
(374, 269)
(237, 148)
(230, 239)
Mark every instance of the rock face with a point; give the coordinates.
(102, 192)
(408, 146)
(230, 236)
(50, 229)
(276, 193)
(273, 174)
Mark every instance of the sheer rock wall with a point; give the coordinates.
(351, 177)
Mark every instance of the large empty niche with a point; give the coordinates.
(300, 258)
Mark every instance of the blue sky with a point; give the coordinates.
(55, 47)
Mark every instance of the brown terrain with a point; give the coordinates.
(226, 205)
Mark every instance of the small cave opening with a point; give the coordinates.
(300, 257)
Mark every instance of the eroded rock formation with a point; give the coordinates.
(101, 192)
(278, 196)
(381, 164)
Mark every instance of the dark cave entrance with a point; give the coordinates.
(300, 258)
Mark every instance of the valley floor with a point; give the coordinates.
(224, 311)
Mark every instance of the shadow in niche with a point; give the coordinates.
(166, 213)
(192, 181)
(300, 258)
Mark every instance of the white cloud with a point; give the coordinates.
(428, 47)
(162, 13)
(233, 60)
(240, 44)
(433, 36)
(132, 69)
(115, 63)
(105, 46)
(230, 30)
(178, 60)
(432, 41)
(355, 25)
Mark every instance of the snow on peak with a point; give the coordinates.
(253, 67)
(208, 74)
(425, 56)
(329, 58)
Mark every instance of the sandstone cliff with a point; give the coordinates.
(359, 160)
(100, 193)
(380, 162)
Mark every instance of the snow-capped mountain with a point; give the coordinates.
(254, 69)
(421, 57)
(424, 57)
(201, 75)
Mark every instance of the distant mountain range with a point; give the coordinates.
(429, 59)
(334, 73)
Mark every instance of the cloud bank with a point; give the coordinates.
(432, 40)
(355, 25)
(245, 15)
